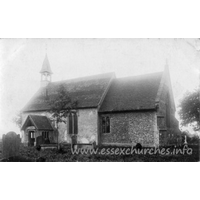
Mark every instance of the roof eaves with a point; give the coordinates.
(130, 110)
(40, 110)
(33, 121)
(85, 78)
(24, 123)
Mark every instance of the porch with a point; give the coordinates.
(37, 130)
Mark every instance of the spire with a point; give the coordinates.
(45, 72)
(46, 66)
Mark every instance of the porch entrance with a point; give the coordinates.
(31, 138)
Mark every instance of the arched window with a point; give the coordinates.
(105, 124)
(73, 123)
(70, 130)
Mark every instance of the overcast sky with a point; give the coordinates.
(21, 60)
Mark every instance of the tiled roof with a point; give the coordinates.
(40, 122)
(88, 92)
(132, 93)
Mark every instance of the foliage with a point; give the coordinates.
(30, 154)
(191, 138)
(190, 110)
(18, 119)
(61, 105)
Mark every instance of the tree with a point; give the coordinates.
(61, 105)
(18, 119)
(190, 110)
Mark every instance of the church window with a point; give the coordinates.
(105, 124)
(45, 134)
(73, 123)
(161, 122)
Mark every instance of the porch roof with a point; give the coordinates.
(40, 122)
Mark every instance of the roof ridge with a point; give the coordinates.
(140, 75)
(32, 121)
(84, 78)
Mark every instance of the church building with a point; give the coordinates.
(109, 110)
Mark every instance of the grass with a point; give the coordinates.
(31, 154)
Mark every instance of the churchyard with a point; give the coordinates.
(14, 151)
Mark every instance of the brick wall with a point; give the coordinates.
(131, 128)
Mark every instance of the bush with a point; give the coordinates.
(31, 154)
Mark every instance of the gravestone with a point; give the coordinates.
(138, 146)
(73, 141)
(10, 145)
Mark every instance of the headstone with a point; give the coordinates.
(185, 142)
(10, 144)
(138, 146)
(74, 141)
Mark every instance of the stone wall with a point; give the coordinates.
(170, 137)
(130, 128)
(87, 126)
